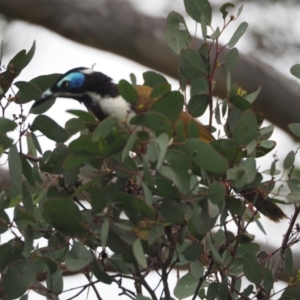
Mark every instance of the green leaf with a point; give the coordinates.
(197, 8)
(98, 199)
(104, 128)
(238, 34)
(240, 102)
(5, 142)
(171, 211)
(288, 262)
(129, 145)
(291, 293)
(22, 273)
(55, 281)
(160, 90)
(170, 105)
(252, 97)
(177, 168)
(191, 64)
(199, 86)
(289, 160)
(246, 129)
(197, 269)
(139, 254)
(154, 121)
(27, 170)
(295, 70)
(251, 268)
(193, 252)
(49, 128)
(15, 168)
(177, 34)
(156, 232)
(78, 257)
(205, 156)
(186, 286)
(294, 184)
(198, 104)
(7, 125)
(64, 215)
(295, 128)
(4, 223)
(128, 92)
(216, 192)
(152, 79)
(231, 59)
(224, 8)
(100, 274)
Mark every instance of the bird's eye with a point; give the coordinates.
(65, 83)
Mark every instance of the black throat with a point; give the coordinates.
(97, 84)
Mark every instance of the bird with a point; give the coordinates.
(101, 96)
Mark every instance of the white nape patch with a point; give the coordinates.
(116, 107)
(87, 71)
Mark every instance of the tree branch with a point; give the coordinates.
(116, 27)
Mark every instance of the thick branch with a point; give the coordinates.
(116, 27)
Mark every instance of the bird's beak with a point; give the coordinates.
(44, 103)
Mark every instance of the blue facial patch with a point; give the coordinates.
(75, 80)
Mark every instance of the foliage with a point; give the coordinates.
(121, 204)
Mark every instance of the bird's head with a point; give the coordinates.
(82, 84)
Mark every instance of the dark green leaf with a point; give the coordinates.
(288, 262)
(99, 273)
(98, 199)
(64, 215)
(55, 281)
(139, 253)
(171, 211)
(78, 257)
(177, 34)
(205, 156)
(22, 273)
(198, 104)
(295, 128)
(216, 192)
(251, 268)
(246, 129)
(224, 8)
(27, 170)
(152, 78)
(193, 252)
(294, 184)
(7, 125)
(15, 168)
(170, 105)
(231, 59)
(4, 223)
(199, 86)
(295, 70)
(240, 103)
(238, 34)
(186, 286)
(128, 92)
(49, 128)
(197, 8)
(154, 121)
(160, 90)
(191, 64)
(157, 231)
(5, 142)
(104, 128)
(177, 168)
(192, 129)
